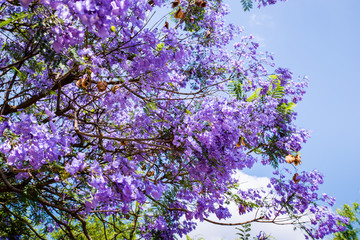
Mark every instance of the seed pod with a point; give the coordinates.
(166, 25)
(78, 82)
(101, 86)
(151, 2)
(151, 173)
(242, 142)
(297, 160)
(179, 14)
(296, 178)
(200, 3)
(83, 83)
(115, 88)
(175, 3)
(289, 159)
(207, 34)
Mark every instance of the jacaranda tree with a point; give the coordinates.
(128, 119)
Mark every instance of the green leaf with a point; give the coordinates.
(151, 105)
(286, 108)
(18, 16)
(254, 96)
(235, 88)
(275, 89)
(22, 76)
(290, 106)
(160, 46)
(247, 4)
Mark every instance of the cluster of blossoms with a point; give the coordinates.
(263, 3)
(107, 110)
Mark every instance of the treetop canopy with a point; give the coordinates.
(115, 116)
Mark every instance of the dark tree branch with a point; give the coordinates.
(8, 184)
(234, 224)
(23, 220)
(68, 78)
(19, 61)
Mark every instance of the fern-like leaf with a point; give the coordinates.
(247, 4)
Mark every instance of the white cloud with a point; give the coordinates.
(210, 231)
(259, 22)
(259, 40)
(261, 19)
(247, 181)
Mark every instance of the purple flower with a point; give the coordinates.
(78, 164)
(50, 228)
(25, 3)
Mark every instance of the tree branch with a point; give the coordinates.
(68, 78)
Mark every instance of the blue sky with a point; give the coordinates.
(320, 39)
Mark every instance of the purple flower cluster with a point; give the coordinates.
(264, 3)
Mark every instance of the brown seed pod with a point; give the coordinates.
(242, 142)
(179, 14)
(151, 173)
(115, 88)
(296, 178)
(166, 25)
(83, 83)
(297, 160)
(78, 82)
(175, 3)
(151, 2)
(200, 3)
(101, 86)
(207, 34)
(289, 159)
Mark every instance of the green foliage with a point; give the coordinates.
(236, 87)
(191, 24)
(275, 89)
(352, 229)
(247, 4)
(194, 238)
(244, 231)
(233, 197)
(160, 46)
(100, 227)
(12, 226)
(286, 108)
(16, 218)
(15, 18)
(255, 95)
